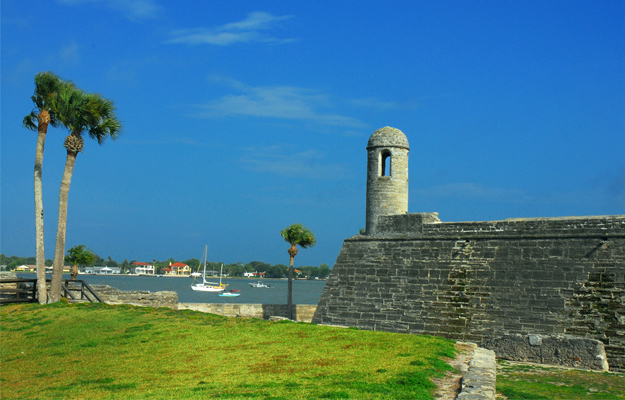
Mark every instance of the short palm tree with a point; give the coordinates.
(45, 98)
(80, 112)
(296, 235)
(79, 255)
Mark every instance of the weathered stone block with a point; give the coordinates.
(556, 350)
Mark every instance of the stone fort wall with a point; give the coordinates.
(483, 282)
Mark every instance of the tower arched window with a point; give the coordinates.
(385, 163)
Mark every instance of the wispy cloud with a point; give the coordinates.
(255, 28)
(473, 191)
(68, 55)
(371, 102)
(609, 187)
(129, 71)
(23, 70)
(610, 195)
(284, 161)
(131, 9)
(284, 102)
(179, 140)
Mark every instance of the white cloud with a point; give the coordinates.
(371, 102)
(284, 102)
(136, 9)
(131, 9)
(256, 21)
(284, 161)
(251, 29)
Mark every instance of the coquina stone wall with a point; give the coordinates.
(144, 298)
(506, 285)
(301, 312)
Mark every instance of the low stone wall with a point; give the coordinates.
(301, 312)
(7, 275)
(143, 298)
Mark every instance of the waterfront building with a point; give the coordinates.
(142, 268)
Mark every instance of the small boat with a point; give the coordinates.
(259, 284)
(206, 286)
(230, 293)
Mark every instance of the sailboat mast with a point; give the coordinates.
(205, 257)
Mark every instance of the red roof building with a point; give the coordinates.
(179, 268)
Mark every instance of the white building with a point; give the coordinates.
(142, 268)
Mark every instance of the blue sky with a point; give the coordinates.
(243, 117)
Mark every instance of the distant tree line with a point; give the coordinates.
(235, 269)
(15, 261)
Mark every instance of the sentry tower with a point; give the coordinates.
(387, 175)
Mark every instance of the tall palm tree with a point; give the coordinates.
(79, 255)
(80, 112)
(45, 97)
(296, 235)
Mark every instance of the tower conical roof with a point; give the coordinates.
(388, 137)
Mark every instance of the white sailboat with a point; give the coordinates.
(206, 286)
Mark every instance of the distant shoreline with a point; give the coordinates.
(175, 276)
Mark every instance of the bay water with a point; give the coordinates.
(304, 291)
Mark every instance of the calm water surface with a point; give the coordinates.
(304, 292)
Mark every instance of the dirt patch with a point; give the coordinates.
(449, 385)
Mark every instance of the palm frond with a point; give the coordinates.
(80, 255)
(298, 234)
(31, 121)
(83, 112)
(76, 110)
(46, 97)
(47, 86)
(105, 123)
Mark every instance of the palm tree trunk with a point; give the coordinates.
(289, 296)
(59, 251)
(44, 121)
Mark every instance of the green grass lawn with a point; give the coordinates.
(534, 382)
(97, 351)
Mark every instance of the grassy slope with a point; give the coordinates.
(122, 352)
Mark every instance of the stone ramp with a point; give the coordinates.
(475, 377)
(478, 383)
